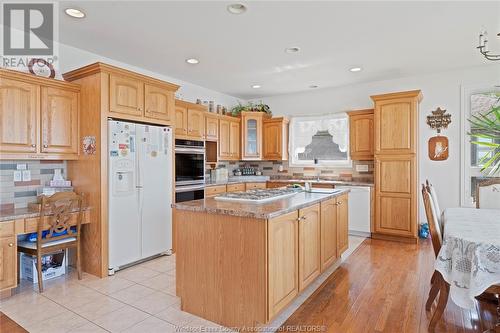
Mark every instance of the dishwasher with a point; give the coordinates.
(359, 209)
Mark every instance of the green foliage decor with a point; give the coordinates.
(487, 126)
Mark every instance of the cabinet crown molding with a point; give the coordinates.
(403, 94)
(40, 80)
(100, 67)
(360, 112)
(190, 105)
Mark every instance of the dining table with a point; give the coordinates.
(469, 259)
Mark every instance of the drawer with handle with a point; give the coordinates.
(211, 191)
(255, 186)
(236, 187)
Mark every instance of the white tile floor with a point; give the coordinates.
(138, 299)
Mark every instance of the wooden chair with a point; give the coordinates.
(56, 217)
(488, 193)
(438, 283)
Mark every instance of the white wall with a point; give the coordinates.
(72, 58)
(440, 89)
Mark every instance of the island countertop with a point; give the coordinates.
(257, 210)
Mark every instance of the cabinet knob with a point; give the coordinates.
(33, 145)
(45, 146)
(11, 244)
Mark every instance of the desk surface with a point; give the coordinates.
(21, 213)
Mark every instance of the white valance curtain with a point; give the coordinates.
(303, 128)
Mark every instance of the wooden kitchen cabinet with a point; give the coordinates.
(283, 265)
(234, 139)
(158, 102)
(328, 233)
(8, 262)
(211, 191)
(59, 119)
(211, 127)
(361, 137)
(8, 255)
(396, 123)
(196, 124)
(126, 95)
(255, 186)
(19, 114)
(189, 120)
(251, 135)
(181, 121)
(309, 245)
(224, 138)
(275, 139)
(342, 204)
(396, 197)
(39, 117)
(240, 187)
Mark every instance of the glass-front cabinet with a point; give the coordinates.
(251, 135)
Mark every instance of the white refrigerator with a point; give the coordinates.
(140, 192)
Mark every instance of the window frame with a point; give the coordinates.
(467, 171)
(292, 162)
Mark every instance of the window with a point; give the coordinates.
(476, 101)
(320, 140)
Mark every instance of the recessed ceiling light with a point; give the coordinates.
(356, 69)
(236, 8)
(256, 86)
(313, 86)
(192, 61)
(292, 49)
(73, 12)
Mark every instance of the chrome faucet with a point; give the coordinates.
(318, 171)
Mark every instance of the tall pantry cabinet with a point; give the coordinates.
(396, 164)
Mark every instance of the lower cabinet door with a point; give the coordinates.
(8, 262)
(328, 233)
(283, 261)
(309, 245)
(342, 224)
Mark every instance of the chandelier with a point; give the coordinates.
(483, 47)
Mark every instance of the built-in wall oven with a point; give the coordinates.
(189, 170)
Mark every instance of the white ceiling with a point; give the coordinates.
(388, 39)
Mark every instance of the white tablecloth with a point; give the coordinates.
(469, 259)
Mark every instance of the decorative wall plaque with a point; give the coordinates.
(438, 145)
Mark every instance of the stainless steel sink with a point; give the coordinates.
(325, 190)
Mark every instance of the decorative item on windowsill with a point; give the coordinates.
(438, 145)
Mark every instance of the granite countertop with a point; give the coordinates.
(254, 210)
(22, 213)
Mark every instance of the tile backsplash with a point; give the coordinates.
(17, 194)
(272, 168)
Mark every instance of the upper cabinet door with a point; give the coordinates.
(251, 135)
(196, 124)
(211, 127)
(126, 95)
(275, 139)
(59, 116)
(19, 105)
(158, 102)
(395, 123)
(181, 121)
(234, 140)
(361, 136)
(224, 138)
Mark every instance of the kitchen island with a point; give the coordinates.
(240, 263)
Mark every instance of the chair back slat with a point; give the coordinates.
(434, 226)
(58, 211)
(488, 193)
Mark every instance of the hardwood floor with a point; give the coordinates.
(10, 326)
(382, 287)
